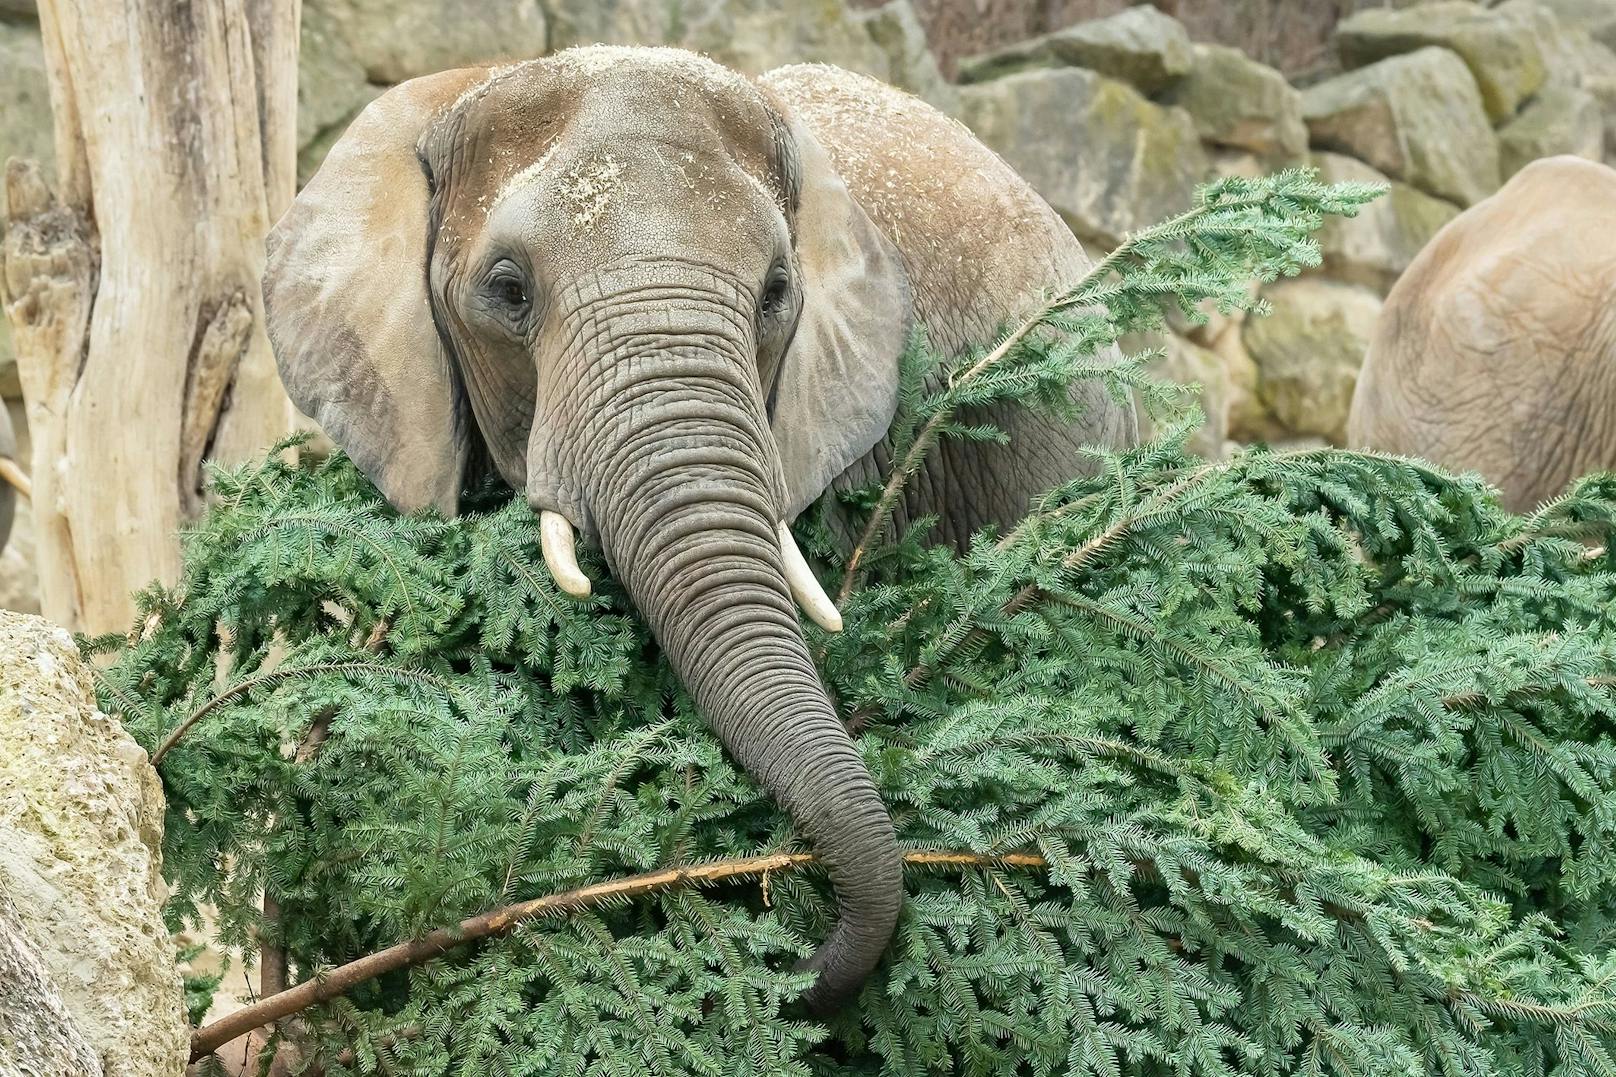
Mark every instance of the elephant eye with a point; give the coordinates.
(508, 286)
(775, 289)
(512, 292)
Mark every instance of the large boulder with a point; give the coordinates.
(331, 82)
(1596, 17)
(1108, 160)
(1239, 102)
(393, 40)
(1141, 46)
(1576, 61)
(1416, 117)
(37, 1033)
(1375, 247)
(756, 35)
(1559, 120)
(25, 131)
(1308, 352)
(1498, 45)
(81, 826)
(909, 64)
(25, 116)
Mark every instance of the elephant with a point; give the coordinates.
(667, 302)
(1496, 349)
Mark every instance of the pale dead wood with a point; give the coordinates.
(134, 291)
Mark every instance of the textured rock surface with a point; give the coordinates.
(1417, 118)
(1576, 61)
(756, 35)
(25, 131)
(1107, 159)
(1238, 102)
(1140, 46)
(81, 817)
(393, 40)
(1308, 352)
(1498, 45)
(25, 119)
(910, 65)
(1596, 17)
(1375, 247)
(1560, 119)
(37, 1033)
(331, 84)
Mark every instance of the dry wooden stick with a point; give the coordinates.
(498, 922)
(11, 473)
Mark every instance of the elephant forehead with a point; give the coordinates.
(646, 159)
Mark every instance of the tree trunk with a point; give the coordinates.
(134, 290)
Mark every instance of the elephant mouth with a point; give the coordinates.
(556, 536)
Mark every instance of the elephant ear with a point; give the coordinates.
(345, 291)
(838, 383)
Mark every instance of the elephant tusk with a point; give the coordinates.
(804, 584)
(560, 557)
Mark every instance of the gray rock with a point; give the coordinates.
(81, 825)
(25, 116)
(1108, 160)
(1577, 61)
(1596, 17)
(1375, 247)
(37, 1033)
(910, 64)
(1417, 118)
(1241, 103)
(331, 85)
(1308, 352)
(22, 9)
(25, 131)
(1503, 55)
(1560, 119)
(394, 40)
(886, 42)
(1141, 46)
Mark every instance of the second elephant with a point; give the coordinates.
(1496, 350)
(668, 303)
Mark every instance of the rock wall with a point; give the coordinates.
(81, 830)
(1113, 112)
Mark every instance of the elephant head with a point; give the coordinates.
(630, 283)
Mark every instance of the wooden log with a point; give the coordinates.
(134, 289)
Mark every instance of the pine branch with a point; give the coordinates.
(906, 467)
(339, 981)
(276, 676)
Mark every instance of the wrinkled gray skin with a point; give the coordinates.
(668, 302)
(1496, 349)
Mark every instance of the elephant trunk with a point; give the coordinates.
(684, 491)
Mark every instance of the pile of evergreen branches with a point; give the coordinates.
(1296, 763)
